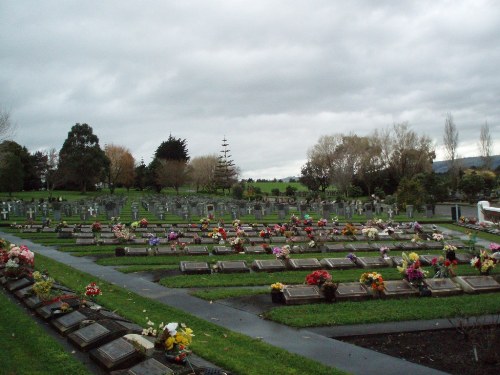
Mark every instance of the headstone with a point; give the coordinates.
(116, 354)
(478, 284)
(223, 250)
(337, 263)
(69, 322)
(304, 264)
(268, 265)
(150, 367)
(197, 250)
(234, 266)
(135, 215)
(301, 294)
(194, 268)
(409, 211)
(371, 262)
(428, 211)
(442, 287)
(30, 214)
(254, 250)
(335, 248)
(4, 214)
(96, 334)
(399, 288)
(353, 291)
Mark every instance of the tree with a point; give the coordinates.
(172, 173)
(471, 184)
(226, 174)
(203, 172)
(51, 174)
(411, 192)
(6, 126)
(31, 180)
(314, 176)
(173, 149)
(450, 140)
(140, 180)
(81, 159)
(485, 146)
(11, 172)
(121, 167)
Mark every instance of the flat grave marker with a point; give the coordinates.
(96, 334)
(301, 294)
(69, 322)
(304, 264)
(197, 250)
(85, 241)
(334, 248)
(371, 262)
(442, 287)
(254, 250)
(223, 250)
(150, 367)
(478, 284)
(116, 354)
(399, 288)
(236, 266)
(351, 291)
(337, 263)
(194, 268)
(268, 265)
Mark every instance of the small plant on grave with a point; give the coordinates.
(318, 277)
(374, 280)
(143, 223)
(277, 287)
(484, 263)
(349, 230)
(42, 286)
(450, 252)
(443, 267)
(436, 236)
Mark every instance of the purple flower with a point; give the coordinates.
(154, 241)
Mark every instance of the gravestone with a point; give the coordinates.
(69, 322)
(428, 211)
(359, 247)
(85, 241)
(337, 263)
(335, 248)
(409, 211)
(46, 311)
(150, 367)
(426, 259)
(353, 291)
(304, 264)
(30, 214)
(397, 261)
(14, 285)
(478, 284)
(254, 250)
(136, 251)
(371, 262)
(223, 250)
(194, 268)
(368, 211)
(301, 294)
(116, 354)
(399, 288)
(442, 287)
(235, 266)
(463, 258)
(4, 214)
(197, 250)
(135, 215)
(268, 265)
(96, 334)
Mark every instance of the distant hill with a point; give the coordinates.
(442, 166)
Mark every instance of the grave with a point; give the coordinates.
(335, 248)
(194, 268)
(149, 367)
(477, 284)
(96, 334)
(278, 239)
(397, 261)
(254, 250)
(371, 262)
(136, 251)
(47, 311)
(337, 263)
(304, 264)
(463, 258)
(236, 266)
(197, 250)
(426, 259)
(13, 285)
(223, 250)
(69, 322)
(399, 288)
(301, 294)
(85, 241)
(353, 291)
(116, 354)
(268, 265)
(360, 247)
(442, 287)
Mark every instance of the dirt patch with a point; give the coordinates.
(449, 351)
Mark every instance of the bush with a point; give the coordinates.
(275, 192)
(237, 191)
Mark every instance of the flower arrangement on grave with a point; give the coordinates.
(153, 331)
(282, 252)
(349, 230)
(42, 286)
(411, 269)
(267, 248)
(436, 236)
(4, 245)
(484, 262)
(176, 339)
(204, 223)
(294, 219)
(279, 229)
(443, 268)
(236, 223)
(352, 257)
(196, 239)
(370, 232)
(60, 225)
(318, 277)
(19, 261)
(265, 233)
(143, 223)
(122, 233)
(468, 220)
(450, 252)
(309, 230)
(416, 238)
(335, 220)
(277, 292)
(307, 220)
(322, 222)
(115, 220)
(237, 244)
(312, 244)
(374, 280)
(494, 247)
(172, 236)
(134, 225)
(96, 227)
(384, 250)
(380, 224)
(417, 228)
(92, 290)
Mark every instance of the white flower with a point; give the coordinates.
(171, 328)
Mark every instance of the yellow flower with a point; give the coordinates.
(413, 257)
(169, 343)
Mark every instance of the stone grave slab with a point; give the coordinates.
(168, 250)
(254, 240)
(402, 236)
(296, 239)
(24, 292)
(353, 291)
(399, 288)
(278, 239)
(46, 311)
(48, 230)
(33, 301)
(130, 328)
(442, 287)
(29, 230)
(150, 367)
(85, 241)
(304, 264)
(136, 251)
(107, 235)
(337, 263)
(371, 262)
(463, 258)
(197, 250)
(268, 265)
(301, 294)
(477, 284)
(389, 245)
(359, 247)
(409, 246)
(116, 354)
(194, 268)
(426, 259)
(18, 284)
(235, 266)
(397, 261)
(206, 240)
(139, 241)
(359, 237)
(69, 322)
(186, 240)
(335, 248)
(456, 243)
(223, 250)
(96, 334)
(84, 235)
(254, 250)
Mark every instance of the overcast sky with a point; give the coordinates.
(271, 76)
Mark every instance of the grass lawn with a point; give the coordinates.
(22, 338)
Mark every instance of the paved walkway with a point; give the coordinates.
(306, 342)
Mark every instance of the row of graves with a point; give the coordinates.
(118, 345)
(487, 220)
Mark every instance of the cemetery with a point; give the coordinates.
(314, 265)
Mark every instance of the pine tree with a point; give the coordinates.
(225, 171)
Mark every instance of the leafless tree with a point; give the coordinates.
(6, 126)
(203, 172)
(450, 140)
(485, 145)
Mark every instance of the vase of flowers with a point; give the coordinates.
(176, 339)
(443, 268)
(374, 281)
(450, 252)
(19, 262)
(42, 286)
(282, 252)
(96, 229)
(484, 263)
(411, 270)
(92, 290)
(318, 278)
(328, 289)
(277, 293)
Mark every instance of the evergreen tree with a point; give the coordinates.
(225, 171)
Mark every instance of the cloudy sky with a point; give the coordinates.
(271, 76)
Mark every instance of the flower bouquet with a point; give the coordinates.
(42, 286)
(237, 244)
(373, 280)
(438, 237)
(122, 233)
(349, 230)
(19, 261)
(322, 222)
(277, 292)
(318, 277)
(96, 227)
(384, 250)
(443, 268)
(370, 232)
(282, 252)
(411, 269)
(484, 262)
(450, 252)
(143, 223)
(92, 290)
(176, 341)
